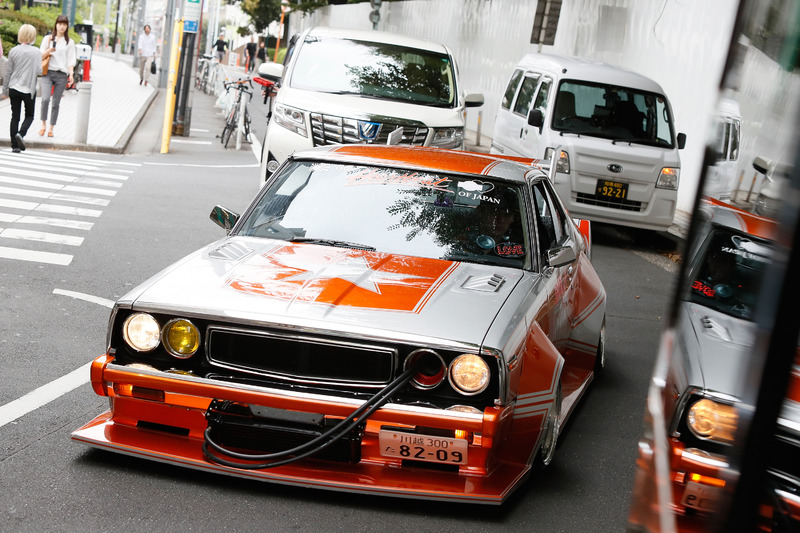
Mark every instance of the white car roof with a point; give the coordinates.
(378, 37)
(589, 70)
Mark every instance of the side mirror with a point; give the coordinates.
(473, 100)
(536, 118)
(560, 256)
(681, 141)
(224, 218)
(271, 71)
(761, 164)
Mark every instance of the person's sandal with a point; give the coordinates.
(49, 133)
(41, 132)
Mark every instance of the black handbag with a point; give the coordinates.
(153, 67)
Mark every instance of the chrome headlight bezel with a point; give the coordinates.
(472, 379)
(449, 138)
(142, 332)
(192, 331)
(291, 118)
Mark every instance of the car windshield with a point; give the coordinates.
(376, 70)
(395, 211)
(729, 272)
(613, 112)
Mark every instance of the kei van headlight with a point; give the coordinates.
(469, 374)
(290, 118)
(142, 332)
(562, 162)
(668, 179)
(181, 338)
(713, 421)
(448, 138)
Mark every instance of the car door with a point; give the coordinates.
(512, 118)
(532, 139)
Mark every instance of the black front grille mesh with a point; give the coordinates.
(615, 203)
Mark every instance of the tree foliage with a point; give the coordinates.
(263, 12)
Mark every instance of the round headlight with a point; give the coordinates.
(469, 374)
(141, 332)
(714, 421)
(181, 338)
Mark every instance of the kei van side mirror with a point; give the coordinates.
(536, 119)
(224, 218)
(473, 100)
(681, 141)
(761, 164)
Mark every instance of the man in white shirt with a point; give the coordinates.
(147, 51)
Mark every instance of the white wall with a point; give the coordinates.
(680, 44)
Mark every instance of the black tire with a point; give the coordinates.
(246, 124)
(231, 127)
(600, 358)
(547, 449)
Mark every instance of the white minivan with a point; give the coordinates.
(348, 86)
(610, 133)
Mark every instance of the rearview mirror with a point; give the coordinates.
(681, 141)
(761, 164)
(473, 100)
(536, 118)
(271, 71)
(224, 218)
(560, 256)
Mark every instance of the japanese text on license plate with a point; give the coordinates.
(416, 447)
(612, 189)
(701, 497)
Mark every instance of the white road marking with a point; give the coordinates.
(181, 141)
(40, 236)
(54, 196)
(58, 170)
(202, 166)
(47, 221)
(34, 256)
(44, 395)
(85, 297)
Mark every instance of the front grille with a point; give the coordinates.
(330, 129)
(234, 426)
(615, 203)
(304, 359)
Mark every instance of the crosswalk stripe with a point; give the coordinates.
(44, 185)
(64, 157)
(46, 221)
(35, 256)
(40, 236)
(71, 179)
(56, 165)
(54, 196)
(11, 165)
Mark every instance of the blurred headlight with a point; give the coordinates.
(448, 138)
(469, 374)
(713, 421)
(290, 118)
(562, 164)
(668, 179)
(141, 332)
(181, 338)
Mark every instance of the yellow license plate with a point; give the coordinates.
(416, 447)
(611, 190)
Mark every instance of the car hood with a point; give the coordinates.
(260, 281)
(368, 108)
(718, 344)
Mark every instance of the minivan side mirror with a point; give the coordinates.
(761, 164)
(473, 100)
(536, 118)
(271, 71)
(681, 141)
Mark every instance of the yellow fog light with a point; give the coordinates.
(714, 421)
(181, 338)
(141, 332)
(469, 374)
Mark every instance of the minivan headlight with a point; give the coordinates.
(668, 179)
(452, 138)
(290, 118)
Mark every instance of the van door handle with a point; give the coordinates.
(521, 130)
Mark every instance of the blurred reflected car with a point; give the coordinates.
(702, 384)
(386, 320)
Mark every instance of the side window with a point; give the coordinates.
(526, 94)
(541, 96)
(511, 90)
(560, 219)
(551, 221)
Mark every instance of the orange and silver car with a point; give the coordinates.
(387, 320)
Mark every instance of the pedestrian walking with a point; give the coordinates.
(60, 50)
(19, 84)
(220, 46)
(261, 55)
(250, 53)
(147, 52)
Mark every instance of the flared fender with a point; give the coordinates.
(588, 311)
(538, 378)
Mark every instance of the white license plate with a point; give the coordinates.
(416, 447)
(701, 497)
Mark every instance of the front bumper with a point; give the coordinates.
(162, 417)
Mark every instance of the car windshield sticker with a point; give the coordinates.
(375, 176)
(510, 249)
(357, 278)
(476, 190)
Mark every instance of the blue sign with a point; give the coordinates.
(190, 26)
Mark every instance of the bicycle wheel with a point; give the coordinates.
(230, 127)
(246, 125)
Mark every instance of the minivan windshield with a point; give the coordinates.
(374, 70)
(613, 112)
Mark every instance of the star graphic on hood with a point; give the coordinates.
(355, 270)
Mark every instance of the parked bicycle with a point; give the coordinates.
(238, 117)
(206, 74)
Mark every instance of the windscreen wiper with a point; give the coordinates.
(332, 242)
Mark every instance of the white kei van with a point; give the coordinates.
(610, 133)
(348, 86)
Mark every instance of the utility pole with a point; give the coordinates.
(116, 30)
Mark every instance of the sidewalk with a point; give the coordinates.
(117, 105)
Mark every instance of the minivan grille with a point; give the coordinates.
(329, 129)
(615, 203)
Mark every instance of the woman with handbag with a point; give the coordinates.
(24, 65)
(59, 53)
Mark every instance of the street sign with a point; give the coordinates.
(191, 15)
